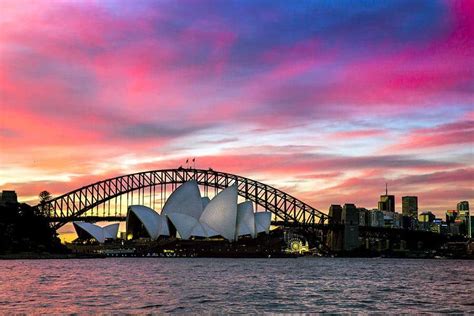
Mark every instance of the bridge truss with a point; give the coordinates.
(104, 199)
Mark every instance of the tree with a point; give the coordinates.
(44, 208)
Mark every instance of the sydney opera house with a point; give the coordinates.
(187, 215)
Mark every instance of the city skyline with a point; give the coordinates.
(325, 101)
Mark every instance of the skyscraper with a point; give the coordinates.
(462, 206)
(335, 214)
(387, 202)
(350, 220)
(410, 206)
(464, 216)
(451, 216)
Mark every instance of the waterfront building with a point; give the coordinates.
(397, 220)
(350, 219)
(463, 210)
(471, 227)
(453, 229)
(186, 215)
(376, 218)
(410, 206)
(335, 214)
(425, 220)
(464, 217)
(451, 216)
(436, 225)
(409, 222)
(363, 216)
(388, 219)
(86, 231)
(144, 222)
(426, 217)
(462, 206)
(387, 202)
(335, 238)
(392, 219)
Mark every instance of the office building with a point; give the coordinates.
(363, 216)
(335, 214)
(376, 218)
(387, 202)
(425, 220)
(410, 206)
(451, 216)
(350, 219)
(335, 239)
(464, 218)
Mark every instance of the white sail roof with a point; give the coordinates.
(209, 231)
(111, 231)
(164, 229)
(186, 199)
(245, 219)
(95, 231)
(92, 230)
(199, 231)
(263, 221)
(184, 224)
(221, 213)
(154, 223)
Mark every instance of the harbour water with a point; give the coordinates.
(180, 285)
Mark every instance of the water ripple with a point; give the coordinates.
(180, 285)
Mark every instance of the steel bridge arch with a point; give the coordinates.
(286, 208)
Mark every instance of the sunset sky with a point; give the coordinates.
(326, 100)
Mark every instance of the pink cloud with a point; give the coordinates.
(364, 133)
(457, 133)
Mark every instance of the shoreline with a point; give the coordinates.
(49, 256)
(46, 256)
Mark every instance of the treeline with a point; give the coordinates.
(25, 229)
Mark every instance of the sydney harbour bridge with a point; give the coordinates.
(108, 200)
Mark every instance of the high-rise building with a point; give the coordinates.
(335, 213)
(376, 218)
(425, 220)
(387, 202)
(426, 217)
(410, 206)
(335, 237)
(451, 216)
(462, 206)
(464, 217)
(363, 216)
(471, 226)
(350, 220)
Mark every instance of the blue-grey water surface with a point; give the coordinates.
(184, 285)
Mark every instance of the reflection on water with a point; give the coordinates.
(143, 285)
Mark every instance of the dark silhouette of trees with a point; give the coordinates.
(24, 229)
(44, 208)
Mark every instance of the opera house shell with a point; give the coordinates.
(191, 215)
(185, 215)
(101, 234)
